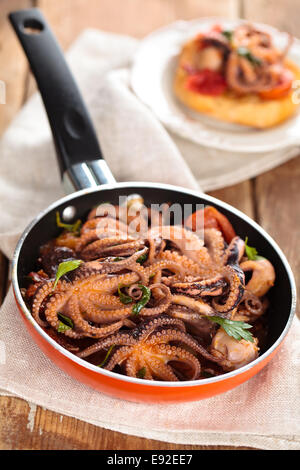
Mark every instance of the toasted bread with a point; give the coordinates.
(248, 110)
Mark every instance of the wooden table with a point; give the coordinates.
(270, 199)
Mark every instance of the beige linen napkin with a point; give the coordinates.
(264, 412)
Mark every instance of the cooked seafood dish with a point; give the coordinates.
(237, 76)
(135, 295)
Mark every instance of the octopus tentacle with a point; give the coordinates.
(132, 366)
(148, 345)
(71, 309)
(179, 355)
(159, 367)
(54, 307)
(104, 224)
(107, 266)
(105, 221)
(159, 266)
(251, 307)
(236, 290)
(263, 276)
(164, 304)
(186, 314)
(118, 357)
(144, 330)
(215, 243)
(185, 240)
(201, 307)
(109, 285)
(40, 295)
(120, 338)
(200, 288)
(98, 315)
(188, 340)
(235, 251)
(141, 272)
(112, 246)
(252, 303)
(188, 266)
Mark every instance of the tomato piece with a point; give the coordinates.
(207, 82)
(199, 41)
(281, 89)
(216, 28)
(212, 219)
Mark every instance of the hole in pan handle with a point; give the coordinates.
(78, 151)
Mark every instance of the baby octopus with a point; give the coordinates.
(147, 351)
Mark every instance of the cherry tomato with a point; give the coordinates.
(207, 82)
(281, 89)
(199, 41)
(212, 219)
(217, 28)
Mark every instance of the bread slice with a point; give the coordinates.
(248, 110)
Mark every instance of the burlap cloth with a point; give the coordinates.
(264, 412)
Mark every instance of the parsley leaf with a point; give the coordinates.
(236, 329)
(125, 299)
(64, 324)
(107, 356)
(244, 52)
(141, 373)
(228, 34)
(75, 228)
(65, 267)
(206, 374)
(251, 252)
(143, 301)
(142, 258)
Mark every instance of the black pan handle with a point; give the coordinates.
(78, 151)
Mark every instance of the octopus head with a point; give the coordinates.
(263, 276)
(233, 354)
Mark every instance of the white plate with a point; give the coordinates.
(152, 76)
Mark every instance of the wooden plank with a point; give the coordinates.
(239, 196)
(283, 14)
(23, 426)
(69, 17)
(14, 68)
(276, 192)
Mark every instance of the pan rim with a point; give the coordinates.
(137, 381)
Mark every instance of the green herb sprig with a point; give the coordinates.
(251, 252)
(244, 52)
(206, 374)
(107, 356)
(75, 228)
(142, 258)
(236, 329)
(64, 268)
(125, 299)
(228, 34)
(141, 373)
(64, 324)
(146, 294)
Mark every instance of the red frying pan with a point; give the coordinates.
(84, 171)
